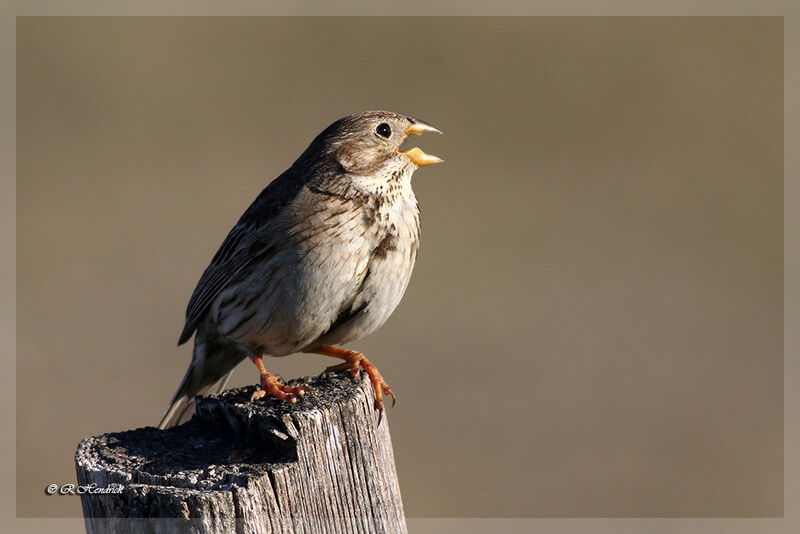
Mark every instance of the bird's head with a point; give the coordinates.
(364, 143)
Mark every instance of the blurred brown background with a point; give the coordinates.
(594, 327)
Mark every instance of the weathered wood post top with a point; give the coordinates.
(321, 465)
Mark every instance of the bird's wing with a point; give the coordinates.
(237, 251)
(246, 242)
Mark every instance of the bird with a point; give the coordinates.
(321, 258)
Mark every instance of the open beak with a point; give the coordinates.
(419, 127)
(415, 154)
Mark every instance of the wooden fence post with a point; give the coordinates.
(320, 465)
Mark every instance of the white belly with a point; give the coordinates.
(321, 269)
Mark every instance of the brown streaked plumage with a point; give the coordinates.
(320, 258)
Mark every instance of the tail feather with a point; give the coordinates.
(208, 374)
(180, 409)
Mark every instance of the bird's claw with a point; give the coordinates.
(355, 362)
(271, 387)
(379, 385)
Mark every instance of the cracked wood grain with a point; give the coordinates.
(321, 465)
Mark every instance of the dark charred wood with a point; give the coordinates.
(321, 465)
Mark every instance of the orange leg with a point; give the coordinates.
(271, 386)
(355, 361)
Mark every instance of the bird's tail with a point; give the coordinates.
(211, 367)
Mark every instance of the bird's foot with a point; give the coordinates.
(271, 386)
(354, 361)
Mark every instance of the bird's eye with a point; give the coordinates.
(383, 130)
